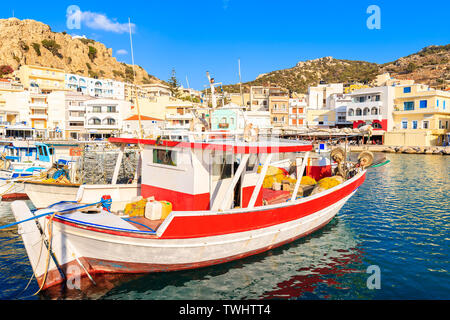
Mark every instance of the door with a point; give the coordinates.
(222, 168)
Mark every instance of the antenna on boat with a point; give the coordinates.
(134, 82)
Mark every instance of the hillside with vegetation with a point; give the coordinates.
(431, 66)
(34, 43)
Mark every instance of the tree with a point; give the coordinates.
(5, 69)
(173, 85)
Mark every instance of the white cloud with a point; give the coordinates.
(122, 51)
(100, 21)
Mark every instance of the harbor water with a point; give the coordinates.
(396, 223)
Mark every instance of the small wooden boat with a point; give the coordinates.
(219, 213)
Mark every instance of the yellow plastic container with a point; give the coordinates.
(136, 209)
(166, 209)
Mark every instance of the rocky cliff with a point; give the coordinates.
(34, 43)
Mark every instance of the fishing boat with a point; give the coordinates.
(23, 159)
(219, 211)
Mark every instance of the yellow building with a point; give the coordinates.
(421, 116)
(46, 78)
(279, 110)
(317, 118)
(354, 87)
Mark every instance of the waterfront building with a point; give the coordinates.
(156, 89)
(297, 111)
(319, 96)
(149, 126)
(99, 88)
(339, 103)
(46, 78)
(179, 115)
(279, 109)
(13, 103)
(421, 116)
(104, 117)
(372, 106)
(75, 113)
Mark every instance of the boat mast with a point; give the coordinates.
(211, 85)
(240, 82)
(134, 82)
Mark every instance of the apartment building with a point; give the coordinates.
(339, 103)
(149, 125)
(99, 88)
(297, 111)
(372, 106)
(421, 116)
(47, 79)
(319, 96)
(13, 103)
(75, 113)
(179, 115)
(103, 117)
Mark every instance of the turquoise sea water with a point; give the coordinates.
(399, 220)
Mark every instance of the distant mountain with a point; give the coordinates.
(430, 66)
(32, 42)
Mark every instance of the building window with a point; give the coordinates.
(374, 111)
(111, 109)
(437, 102)
(404, 124)
(425, 124)
(97, 109)
(358, 112)
(366, 111)
(406, 89)
(362, 99)
(109, 121)
(408, 106)
(94, 121)
(423, 104)
(351, 112)
(377, 97)
(414, 124)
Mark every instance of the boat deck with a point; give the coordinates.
(144, 224)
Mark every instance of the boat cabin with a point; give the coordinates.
(22, 151)
(211, 174)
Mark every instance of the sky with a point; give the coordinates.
(193, 37)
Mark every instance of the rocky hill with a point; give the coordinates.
(32, 42)
(430, 66)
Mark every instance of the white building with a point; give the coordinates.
(149, 126)
(339, 103)
(319, 96)
(104, 117)
(99, 88)
(372, 106)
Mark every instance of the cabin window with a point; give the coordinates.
(253, 161)
(51, 150)
(222, 166)
(166, 157)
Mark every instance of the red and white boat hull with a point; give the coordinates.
(185, 240)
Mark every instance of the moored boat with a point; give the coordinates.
(218, 212)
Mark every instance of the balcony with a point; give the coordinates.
(378, 117)
(39, 116)
(38, 105)
(280, 110)
(187, 116)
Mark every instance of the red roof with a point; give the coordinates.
(136, 117)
